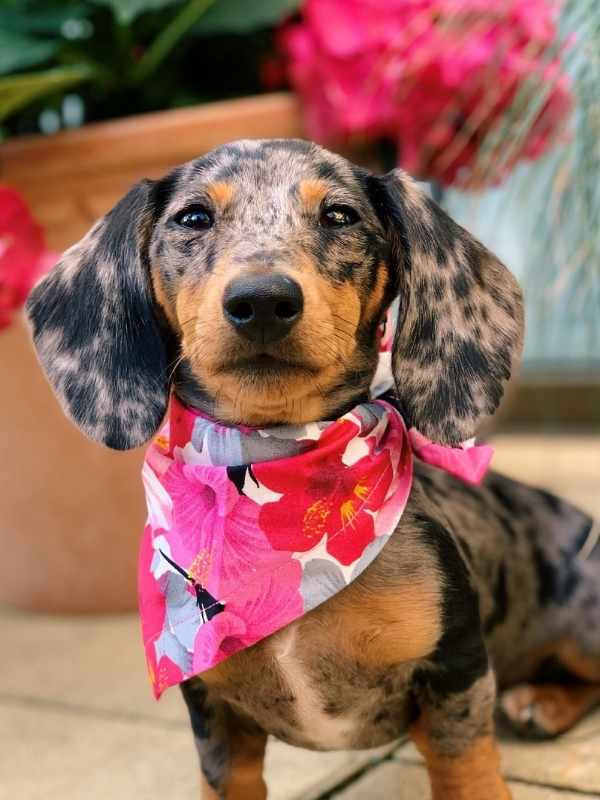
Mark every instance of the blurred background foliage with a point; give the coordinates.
(127, 56)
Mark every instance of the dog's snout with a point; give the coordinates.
(263, 308)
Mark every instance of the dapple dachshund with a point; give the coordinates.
(479, 587)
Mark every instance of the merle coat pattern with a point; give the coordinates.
(478, 587)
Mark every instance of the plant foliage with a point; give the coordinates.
(129, 56)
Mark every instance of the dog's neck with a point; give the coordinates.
(192, 394)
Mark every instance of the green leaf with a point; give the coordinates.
(18, 91)
(18, 51)
(125, 11)
(166, 40)
(242, 16)
(49, 20)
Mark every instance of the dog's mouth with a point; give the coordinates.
(266, 365)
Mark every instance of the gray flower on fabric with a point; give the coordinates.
(168, 645)
(181, 609)
(321, 579)
(369, 414)
(221, 445)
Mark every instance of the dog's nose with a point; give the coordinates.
(263, 308)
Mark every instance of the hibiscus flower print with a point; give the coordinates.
(328, 493)
(254, 611)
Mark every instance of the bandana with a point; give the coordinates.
(248, 529)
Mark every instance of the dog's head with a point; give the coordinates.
(254, 279)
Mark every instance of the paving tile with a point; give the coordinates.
(566, 464)
(95, 662)
(409, 782)
(71, 754)
(47, 755)
(572, 761)
(294, 774)
(93, 668)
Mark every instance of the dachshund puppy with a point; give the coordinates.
(477, 587)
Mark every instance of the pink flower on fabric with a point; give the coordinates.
(211, 517)
(152, 617)
(252, 612)
(23, 255)
(436, 76)
(323, 496)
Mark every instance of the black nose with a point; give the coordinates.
(263, 308)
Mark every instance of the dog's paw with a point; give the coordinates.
(538, 712)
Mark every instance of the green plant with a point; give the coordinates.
(125, 56)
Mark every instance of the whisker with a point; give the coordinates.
(343, 319)
(177, 363)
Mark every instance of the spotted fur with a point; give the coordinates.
(97, 330)
(477, 587)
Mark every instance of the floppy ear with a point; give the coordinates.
(95, 329)
(461, 324)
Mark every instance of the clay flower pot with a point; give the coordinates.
(72, 511)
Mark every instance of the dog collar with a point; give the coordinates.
(248, 529)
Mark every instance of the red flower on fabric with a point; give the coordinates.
(323, 496)
(23, 254)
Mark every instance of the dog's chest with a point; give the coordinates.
(336, 701)
(327, 683)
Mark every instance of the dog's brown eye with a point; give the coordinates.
(196, 217)
(338, 216)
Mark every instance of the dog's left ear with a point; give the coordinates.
(96, 330)
(460, 330)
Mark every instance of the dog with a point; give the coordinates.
(478, 588)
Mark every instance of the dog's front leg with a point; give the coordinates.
(455, 735)
(231, 754)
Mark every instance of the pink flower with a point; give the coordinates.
(163, 672)
(23, 256)
(216, 538)
(211, 517)
(251, 613)
(437, 76)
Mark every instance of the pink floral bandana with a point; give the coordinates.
(249, 529)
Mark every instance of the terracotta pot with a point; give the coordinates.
(72, 512)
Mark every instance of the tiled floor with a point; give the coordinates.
(77, 720)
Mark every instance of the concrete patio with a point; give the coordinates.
(78, 722)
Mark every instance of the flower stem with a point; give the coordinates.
(168, 38)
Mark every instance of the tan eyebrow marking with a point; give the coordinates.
(221, 192)
(312, 191)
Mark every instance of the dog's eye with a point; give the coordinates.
(338, 216)
(196, 217)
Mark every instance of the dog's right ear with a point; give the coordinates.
(96, 332)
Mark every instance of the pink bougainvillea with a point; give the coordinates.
(436, 76)
(23, 254)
